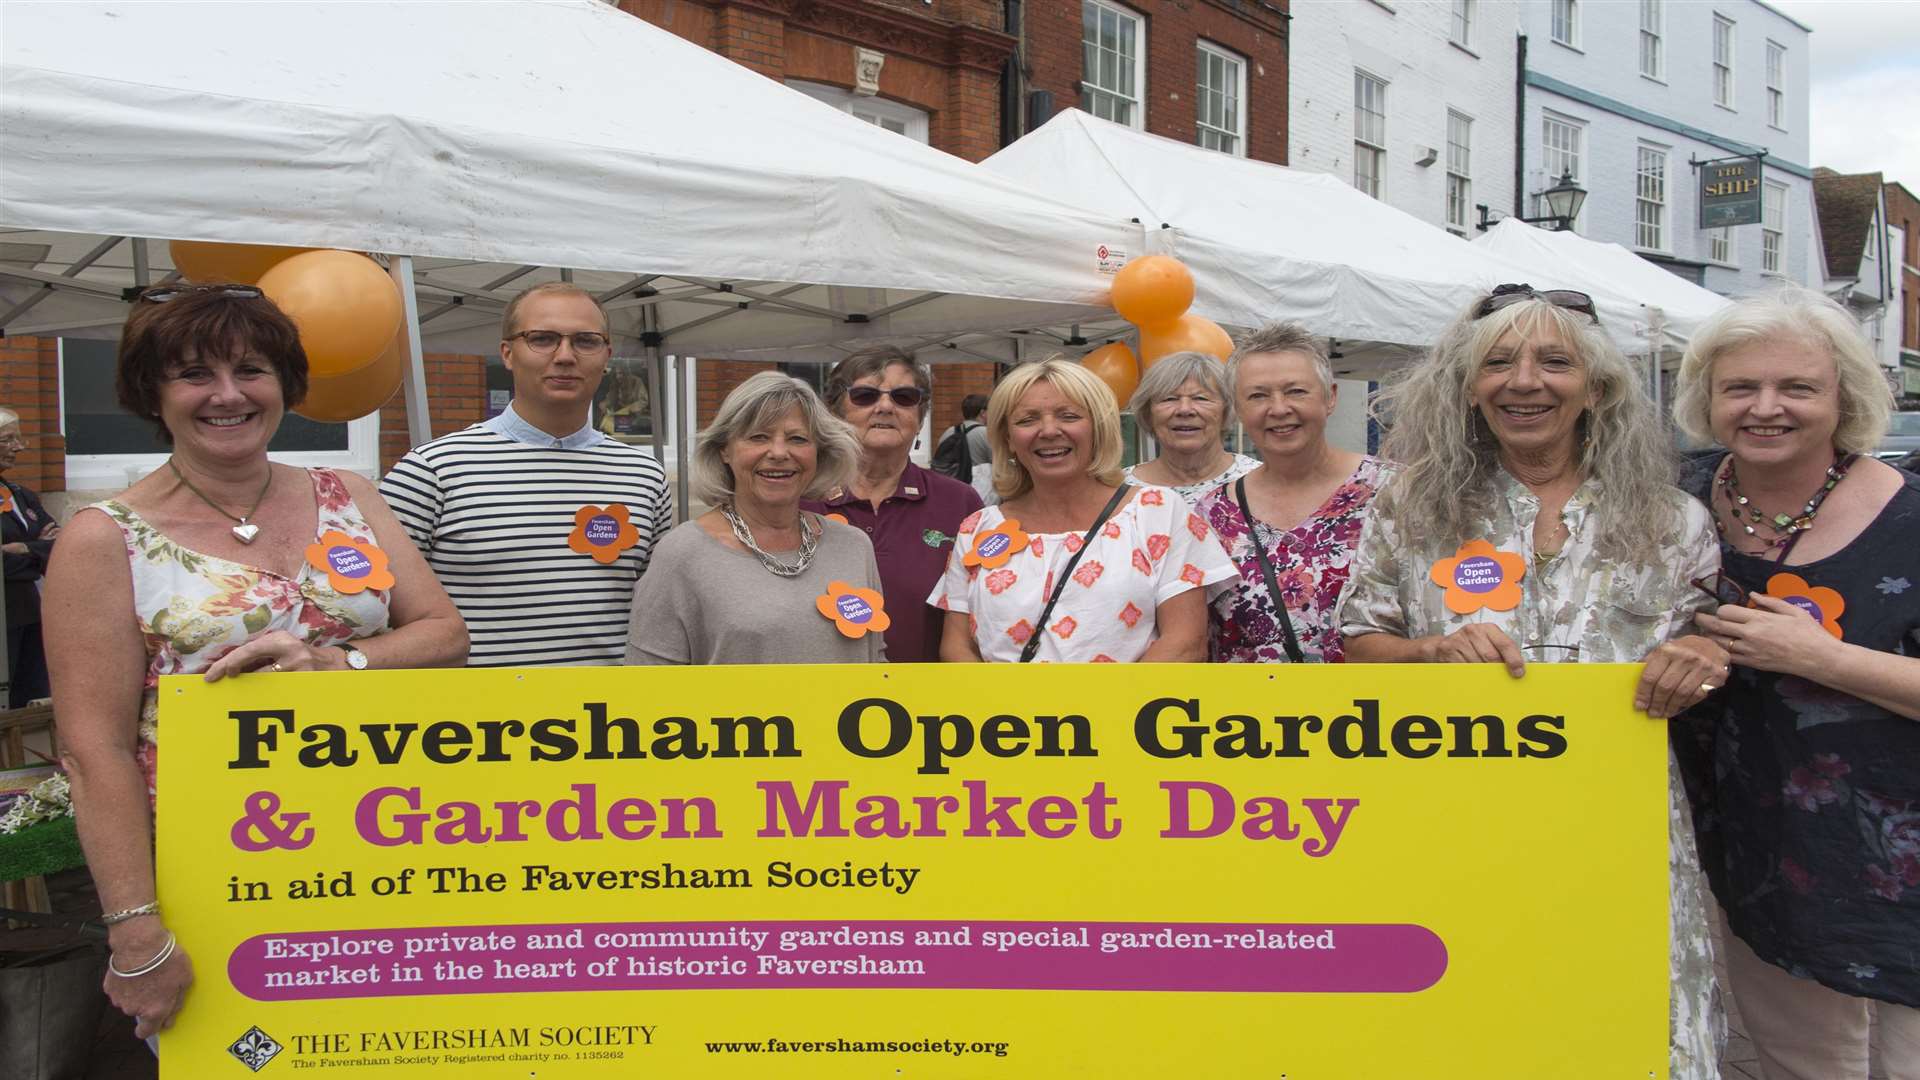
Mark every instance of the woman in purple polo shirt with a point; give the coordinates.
(911, 514)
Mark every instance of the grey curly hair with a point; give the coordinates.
(1450, 454)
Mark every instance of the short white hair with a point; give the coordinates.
(8, 417)
(1282, 337)
(755, 405)
(1170, 373)
(1795, 314)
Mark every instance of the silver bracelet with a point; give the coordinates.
(151, 907)
(166, 952)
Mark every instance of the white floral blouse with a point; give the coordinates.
(1578, 607)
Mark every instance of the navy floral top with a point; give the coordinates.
(1807, 800)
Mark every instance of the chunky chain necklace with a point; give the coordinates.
(243, 528)
(1783, 526)
(809, 541)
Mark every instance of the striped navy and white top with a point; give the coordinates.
(492, 508)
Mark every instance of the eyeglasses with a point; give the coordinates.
(1722, 588)
(12, 440)
(1509, 295)
(906, 397)
(585, 343)
(161, 294)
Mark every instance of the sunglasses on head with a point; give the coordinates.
(1509, 295)
(906, 397)
(160, 294)
(1722, 588)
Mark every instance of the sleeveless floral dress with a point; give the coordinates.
(194, 608)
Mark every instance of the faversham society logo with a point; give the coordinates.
(255, 1049)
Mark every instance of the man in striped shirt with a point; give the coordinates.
(537, 523)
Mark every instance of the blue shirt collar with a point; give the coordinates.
(510, 425)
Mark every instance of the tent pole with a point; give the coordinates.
(414, 381)
(683, 439)
(656, 383)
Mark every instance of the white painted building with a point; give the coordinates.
(1624, 94)
(1412, 101)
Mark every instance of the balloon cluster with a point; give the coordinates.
(1153, 293)
(347, 309)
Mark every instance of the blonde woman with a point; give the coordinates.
(1074, 565)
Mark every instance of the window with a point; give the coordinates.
(1562, 143)
(1220, 101)
(1462, 32)
(881, 113)
(1720, 245)
(1113, 52)
(1653, 27)
(1773, 228)
(1723, 61)
(1459, 169)
(1566, 22)
(1369, 132)
(1777, 84)
(1650, 199)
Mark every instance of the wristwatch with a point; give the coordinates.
(356, 659)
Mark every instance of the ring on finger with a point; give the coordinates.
(277, 667)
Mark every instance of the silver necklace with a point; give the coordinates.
(244, 530)
(809, 541)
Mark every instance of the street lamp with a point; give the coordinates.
(1563, 200)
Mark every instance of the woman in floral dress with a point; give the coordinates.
(1538, 475)
(204, 567)
(1806, 770)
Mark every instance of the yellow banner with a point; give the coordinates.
(1221, 871)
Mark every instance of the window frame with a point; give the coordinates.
(1775, 230)
(1657, 36)
(1460, 19)
(1460, 177)
(917, 121)
(1374, 151)
(1723, 238)
(1776, 76)
(1137, 113)
(1572, 24)
(1723, 74)
(1652, 216)
(1578, 154)
(1202, 50)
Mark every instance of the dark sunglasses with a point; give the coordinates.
(1722, 588)
(906, 397)
(160, 294)
(1509, 295)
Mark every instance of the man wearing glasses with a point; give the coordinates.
(537, 523)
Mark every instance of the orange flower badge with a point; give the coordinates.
(1480, 576)
(352, 566)
(6, 499)
(602, 533)
(1824, 604)
(855, 612)
(994, 547)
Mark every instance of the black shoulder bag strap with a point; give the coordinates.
(1032, 646)
(1291, 642)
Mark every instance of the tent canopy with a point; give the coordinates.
(709, 205)
(1566, 260)
(1266, 242)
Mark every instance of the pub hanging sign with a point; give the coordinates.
(1730, 192)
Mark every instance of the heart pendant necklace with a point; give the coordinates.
(244, 530)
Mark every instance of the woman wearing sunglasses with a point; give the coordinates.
(1806, 771)
(206, 566)
(911, 514)
(1535, 518)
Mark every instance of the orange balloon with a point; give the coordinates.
(1116, 366)
(1153, 289)
(341, 398)
(201, 261)
(346, 307)
(1188, 333)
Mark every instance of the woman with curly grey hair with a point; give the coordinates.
(757, 580)
(1536, 519)
(1805, 773)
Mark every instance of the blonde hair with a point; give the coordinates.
(1450, 455)
(550, 288)
(1170, 373)
(755, 405)
(1078, 385)
(1790, 314)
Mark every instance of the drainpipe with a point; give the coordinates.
(1519, 124)
(1012, 96)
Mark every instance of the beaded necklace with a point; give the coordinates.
(1785, 527)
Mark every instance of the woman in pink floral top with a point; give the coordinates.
(204, 568)
(1308, 498)
(1136, 592)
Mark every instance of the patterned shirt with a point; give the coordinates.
(1241, 466)
(1151, 550)
(1309, 564)
(492, 508)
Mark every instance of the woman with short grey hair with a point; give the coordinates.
(1805, 772)
(757, 580)
(1182, 402)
